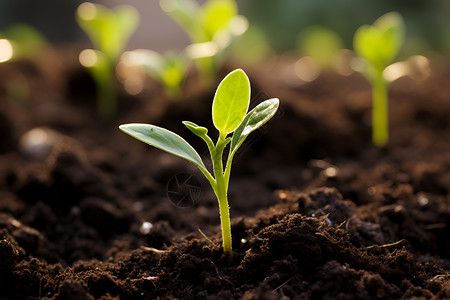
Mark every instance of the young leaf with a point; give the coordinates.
(185, 13)
(163, 139)
(252, 121)
(380, 43)
(169, 69)
(231, 101)
(197, 130)
(201, 132)
(108, 29)
(217, 13)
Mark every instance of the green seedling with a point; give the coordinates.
(21, 41)
(169, 69)
(378, 45)
(109, 31)
(320, 43)
(211, 28)
(229, 114)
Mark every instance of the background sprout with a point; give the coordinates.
(254, 39)
(211, 28)
(321, 44)
(229, 113)
(20, 41)
(109, 31)
(26, 41)
(378, 45)
(169, 69)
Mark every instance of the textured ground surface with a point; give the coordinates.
(318, 212)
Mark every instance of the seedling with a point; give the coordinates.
(169, 69)
(320, 43)
(229, 114)
(109, 31)
(21, 41)
(377, 46)
(210, 27)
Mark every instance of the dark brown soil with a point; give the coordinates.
(318, 211)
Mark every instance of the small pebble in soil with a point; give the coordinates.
(38, 142)
(282, 195)
(146, 227)
(331, 172)
(423, 201)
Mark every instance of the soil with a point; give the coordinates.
(318, 212)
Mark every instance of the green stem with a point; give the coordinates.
(173, 93)
(221, 192)
(380, 127)
(107, 98)
(206, 70)
(103, 75)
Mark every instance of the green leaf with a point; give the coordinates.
(109, 30)
(185, 13)
(127, 20)
(197, 130)
(26, 40)
(320, 43)
(217, 13)
(380, 43)
(252, 121)
(231, 101)
(170, 69)
(163, 139)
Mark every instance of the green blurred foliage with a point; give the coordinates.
(201, 23)
(320, 43)
(169, 69)
(25, 40)
(428, 22)
(380, 43)
(108, 29)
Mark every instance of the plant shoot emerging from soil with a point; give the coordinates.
(378, 45)
(211, 27)
(109, 31)
(169, 69)
(229, 114)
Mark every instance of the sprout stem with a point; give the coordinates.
(221, 192)
(206, 69)
(103, 75)
(380, 122)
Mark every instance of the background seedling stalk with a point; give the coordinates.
(377, 46)
(380, 128)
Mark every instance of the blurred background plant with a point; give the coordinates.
(211, 27)
(20, 41)
(377, 46)
(109, 31)
(169, 69)
(252, 32)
